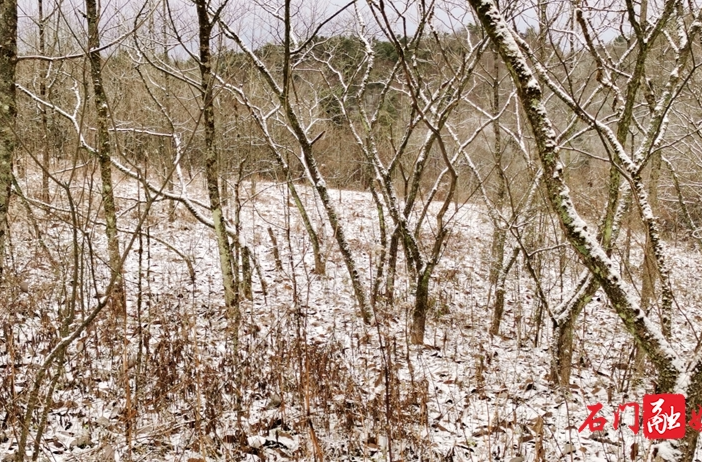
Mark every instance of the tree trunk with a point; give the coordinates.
(581, 239)
(246, 272)
(421, 307)
(650, 267)
(319, 262)
(392, 268)
(425, 270)
(375, 289)
(499, 307)
(45, 158)
(564, 324)
(566, 316)
(562, 346)
(228, 265)
(165, 147)
(500, 233)
(8, 112)
(315, 175)
(104, 148)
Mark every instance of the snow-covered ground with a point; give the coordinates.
(311, 379)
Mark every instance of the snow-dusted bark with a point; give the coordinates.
(567, 313)
(104, 155)
(500, 232)
(673, 373)
(656, 128)
(648, 285)
(227, 261)
(624, 104)
(8, 111)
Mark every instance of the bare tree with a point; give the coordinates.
(433, 103)
(227, 261)
(41, 22)
(618, 194)
(8, 110)
(283, 90)
(104, 153)
(673, 375)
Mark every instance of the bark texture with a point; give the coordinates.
(104, 152)
(227, 262)
(8, 112)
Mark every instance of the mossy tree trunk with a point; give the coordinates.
(227, 262)
(499, 235)
(45, 152)
(8, 113)
(104, 153)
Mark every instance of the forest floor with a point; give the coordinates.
(311, 379)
